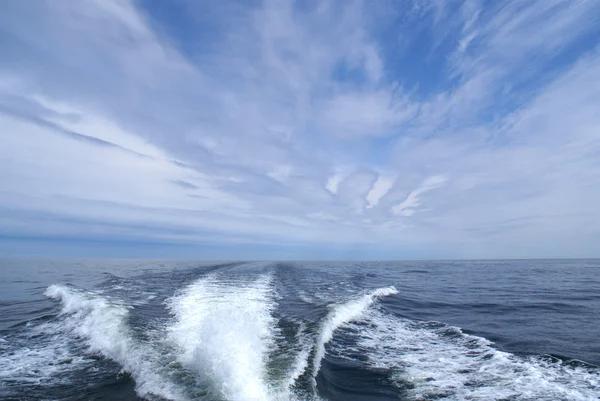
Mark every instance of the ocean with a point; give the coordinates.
(410, 330)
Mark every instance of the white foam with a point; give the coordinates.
(304, 297)
(344, 313)
(441, 361)
(103, 325)
(300, 363)
(44, 361)
(224, 331)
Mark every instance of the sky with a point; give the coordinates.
(282, 129)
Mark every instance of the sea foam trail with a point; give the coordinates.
(225, 330)
(344, 313)
(103, 325)
(47, 361)
(433, 360)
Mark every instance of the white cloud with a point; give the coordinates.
(280, 173)
(333, 182)
(70, 118)
(381, 187)
(413, 200)
(271, 123)
(357, 114)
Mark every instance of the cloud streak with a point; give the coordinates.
(408, 207)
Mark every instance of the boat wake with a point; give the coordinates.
(223, 338)
(104, 326)
(224, 332)
(344, 313)
(430, 360)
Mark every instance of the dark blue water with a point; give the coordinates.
(455, 330)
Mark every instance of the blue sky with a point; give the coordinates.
(308, 129)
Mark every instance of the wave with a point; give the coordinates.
(103, 324)
(301, 357)
(225, 331)
(432, 360)
(341, 314)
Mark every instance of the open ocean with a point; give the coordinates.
(169, 330)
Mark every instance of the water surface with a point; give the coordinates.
(167, 330)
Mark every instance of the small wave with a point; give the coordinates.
(104, 326)
(224, 331)
(344, 313)
(433, 360)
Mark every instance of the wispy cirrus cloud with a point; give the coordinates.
(459, 129)
(408, 207)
